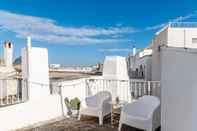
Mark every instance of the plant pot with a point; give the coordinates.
(75, 113)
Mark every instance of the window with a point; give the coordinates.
(194, 40)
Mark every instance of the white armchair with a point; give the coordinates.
(142, 114)
(97, 105)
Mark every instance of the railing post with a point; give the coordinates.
(6, 91)
(86, 87)
(144, 91)
(62, 99)
(1, 92)
(149, 88)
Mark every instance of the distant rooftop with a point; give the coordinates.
(178, 25)
(183, 24)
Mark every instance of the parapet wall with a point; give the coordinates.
(29, 113)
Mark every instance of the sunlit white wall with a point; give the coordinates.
(35, 70)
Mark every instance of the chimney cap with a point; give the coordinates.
(8, 44)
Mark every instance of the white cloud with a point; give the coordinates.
(115, 50)
(155, 27)
(47, 30)
(177, 19)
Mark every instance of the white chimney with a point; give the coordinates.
(8, 53)
(134, 51)
(28, 41)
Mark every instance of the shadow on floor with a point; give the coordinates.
(128, 128)
(85, 124)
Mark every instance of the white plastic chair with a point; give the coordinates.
(142, 114)
(97, 105)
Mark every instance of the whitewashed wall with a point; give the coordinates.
(115, 67)
(179, 92)
(182, 37)
(134, 62)
(160, 39)
(35, 71)
(31, 112)
(171, 37)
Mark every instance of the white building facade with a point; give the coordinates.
(139, 64)
(172, 61)
(174, 64)
(180, 35)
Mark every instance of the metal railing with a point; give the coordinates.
(16, 90)
(117, 88)
(125, 90)
(183, 24)
(140, 88)
(11, 92)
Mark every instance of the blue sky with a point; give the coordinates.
(83, 32)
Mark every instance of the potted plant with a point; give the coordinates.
(73, 106)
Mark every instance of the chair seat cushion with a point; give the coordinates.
(90, 111)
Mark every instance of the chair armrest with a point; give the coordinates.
(155, 112)
(89, 101)
(83, 104)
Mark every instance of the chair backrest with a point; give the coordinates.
(144, 106)
(150, 103)
(103, 95)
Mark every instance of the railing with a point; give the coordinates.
(183, 24)
(16, 90)
(140, 88)
(75, 84)
(118, 88)
(125, 90)
(11, 92)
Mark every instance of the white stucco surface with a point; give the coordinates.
(170, 37)
(179, 92)
(8, 54)
(31, 112)
(35, 70)
(115, 67)
(182, 37)
(159, 40)
(142, 62)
